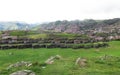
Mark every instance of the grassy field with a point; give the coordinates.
(36, 36)
(65, 66)
(45, 35)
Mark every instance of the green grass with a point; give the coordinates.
(45, 35)
(32, 34)
(36, 36)
(66, 35)
(65, 66)
(69, 35)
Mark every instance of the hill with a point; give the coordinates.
(77, 26)
(15, 26)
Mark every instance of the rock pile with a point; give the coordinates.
(23, 72)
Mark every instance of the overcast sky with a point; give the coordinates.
(32, 11)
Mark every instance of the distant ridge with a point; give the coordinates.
(15, 26)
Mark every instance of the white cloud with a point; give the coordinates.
(51, 10)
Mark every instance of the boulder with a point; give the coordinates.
(52, 58)
(81, 62)
(23, 72)
(58, 57)
(20, 64)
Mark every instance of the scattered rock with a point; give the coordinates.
(20, 64)
(52, 58)
(58, 57)
(43, 67)
(81, 62)
(77, 61)
(105, 57)
(23, 72)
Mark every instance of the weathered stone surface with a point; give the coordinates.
(58, 57)
(20, 64)
(81, 62)
(105, 57)
(23, 72)
(52, 58)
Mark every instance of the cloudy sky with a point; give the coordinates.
(32, 11)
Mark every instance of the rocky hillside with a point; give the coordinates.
(15, 26)
(78, 26)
